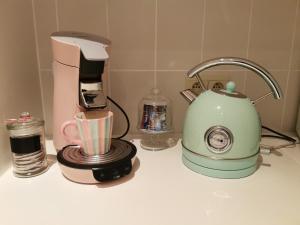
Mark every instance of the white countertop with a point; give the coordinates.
(160, 191)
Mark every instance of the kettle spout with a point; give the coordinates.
(189, 95)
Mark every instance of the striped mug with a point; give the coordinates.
(94, 129)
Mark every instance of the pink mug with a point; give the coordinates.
(94, 129)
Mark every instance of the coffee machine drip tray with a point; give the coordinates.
(82, 168)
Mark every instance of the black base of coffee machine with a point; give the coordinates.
(83, 168)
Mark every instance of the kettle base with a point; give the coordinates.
(225, 174)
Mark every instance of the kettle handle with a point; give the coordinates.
(259, 70)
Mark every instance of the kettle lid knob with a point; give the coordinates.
(230, 87)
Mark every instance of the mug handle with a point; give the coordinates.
(66, 136)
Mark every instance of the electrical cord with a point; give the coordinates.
(267, 149)
(279, 135)
(125, 115)
(275, 136)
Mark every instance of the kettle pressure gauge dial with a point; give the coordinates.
(218, 139)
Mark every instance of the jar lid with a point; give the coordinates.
(155, 98)
(24, 125)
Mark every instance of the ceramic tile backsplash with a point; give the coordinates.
(82, 15)
(5, 159)
(296, 45)
(45, 15)
(155, 42)
(19, 86)
(238, 76)
(179, 33)
(128, 88)
(293, 102)
(271, 35)
(47, 85)
(226, 28)
(20, 89)
(170, 84)
(131, 27)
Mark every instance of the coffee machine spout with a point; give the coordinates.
(92, 95)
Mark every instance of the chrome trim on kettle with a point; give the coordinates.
(259, 70)
(234, 94)
(218, 158)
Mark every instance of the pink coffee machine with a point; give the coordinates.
(78, 68)
(78, 65)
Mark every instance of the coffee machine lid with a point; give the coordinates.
(91, 46)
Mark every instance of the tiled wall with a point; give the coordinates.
(154, 42)
(19, 80)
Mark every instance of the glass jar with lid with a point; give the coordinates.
(27, 141)
(155, 121)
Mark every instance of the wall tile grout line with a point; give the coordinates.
(132, 70)
(178, 70)
(248, 42)
(290, 65)
(155, 43)
(56, 15)
(185, 70)
(107, 18)
(108, 36)
(38, 58)
(203, 30)
(45, 70)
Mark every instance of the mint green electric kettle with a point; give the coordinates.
(222, 129)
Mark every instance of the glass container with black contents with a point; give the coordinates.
(27, 141)
(155, 121)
